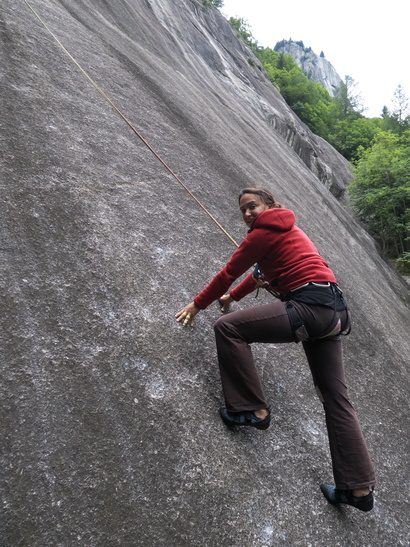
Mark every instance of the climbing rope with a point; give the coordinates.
(137, 133)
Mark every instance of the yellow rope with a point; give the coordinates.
(96, 86)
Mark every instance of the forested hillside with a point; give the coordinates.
(378, 148)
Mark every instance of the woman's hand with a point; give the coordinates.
(225, 302)
(187, 314)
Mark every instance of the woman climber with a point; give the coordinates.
(312, 310)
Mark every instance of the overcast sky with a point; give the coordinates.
(366, 40)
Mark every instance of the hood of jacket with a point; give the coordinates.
(278, 219)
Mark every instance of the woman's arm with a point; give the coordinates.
(251, 249)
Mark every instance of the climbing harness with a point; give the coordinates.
(137, 133)
(324, 294)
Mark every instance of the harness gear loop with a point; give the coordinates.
(263, 282)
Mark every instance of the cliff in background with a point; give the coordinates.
(109, 415)
(313, 66)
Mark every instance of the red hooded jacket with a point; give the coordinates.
(284, 253)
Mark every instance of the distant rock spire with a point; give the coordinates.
(314, 66)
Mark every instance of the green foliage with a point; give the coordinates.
(209, 3)
(337, 119)
(378, 147)
(380, 192)
(398, 120)
(294, 86)
(403, 264)
(242, 28)
(401, 105)
(349, 105)
(313, 104)
(349, 137)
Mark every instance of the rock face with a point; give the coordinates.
(315, 67)
(109, 414)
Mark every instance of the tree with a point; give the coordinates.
(401, 104)
(347, 102)
(380, 192)
(400, 117)
(209, 3)
(397, 121)
(350, 137)
(242, 28)
(385, 112)
(339, 119)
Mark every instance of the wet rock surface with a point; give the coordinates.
(109, 414)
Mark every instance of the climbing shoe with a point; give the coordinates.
(335, 496)
(244, 418)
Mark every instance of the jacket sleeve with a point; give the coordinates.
(246, 286)
(244, 258)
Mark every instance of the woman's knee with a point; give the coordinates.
(222, 325)
(227, 328)
(219, 323)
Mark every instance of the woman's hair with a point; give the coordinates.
(266, 196)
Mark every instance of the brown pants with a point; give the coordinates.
(242, 388)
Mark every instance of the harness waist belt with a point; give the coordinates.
(320, 284)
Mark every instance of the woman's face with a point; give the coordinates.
(251, 205)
